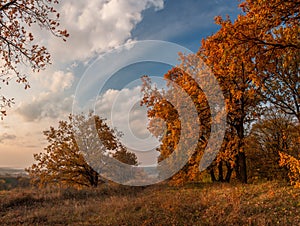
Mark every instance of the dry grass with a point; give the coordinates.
(267, 203)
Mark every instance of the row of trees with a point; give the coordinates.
(256, 62)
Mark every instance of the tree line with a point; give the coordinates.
(255, 59)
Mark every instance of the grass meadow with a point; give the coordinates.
(263, 203)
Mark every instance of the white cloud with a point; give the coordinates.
(122, 110)
(52, 81)
(50, 100)
(46, 105)
(59, 81)
(96, 26)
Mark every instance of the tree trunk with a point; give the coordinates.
(212, 175)
(229, 172)
(220, 168)
(241, 168)
(94, 178)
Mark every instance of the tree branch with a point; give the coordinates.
(4, 7)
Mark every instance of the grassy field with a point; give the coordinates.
(266, 203)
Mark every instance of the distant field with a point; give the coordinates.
(4, 171)
(266, 203)
(13, 178)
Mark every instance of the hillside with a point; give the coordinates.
(267, 203)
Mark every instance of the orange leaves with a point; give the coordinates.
(244, 6)
(159, 105)
(244, 53)
(63, 162)
(256, 62)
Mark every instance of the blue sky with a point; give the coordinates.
(97, 26)
(184, 22)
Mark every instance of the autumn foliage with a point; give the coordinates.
(255, 59)
(293, 165)
(64, 163)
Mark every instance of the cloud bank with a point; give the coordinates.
(96, 26)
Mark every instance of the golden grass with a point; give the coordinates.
(267, 203)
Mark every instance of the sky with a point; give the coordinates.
(96, 27)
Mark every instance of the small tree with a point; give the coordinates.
(64, 164)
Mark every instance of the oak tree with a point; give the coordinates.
(64, 163)
(272, 29)
(293, 165)
(256, 61)
(256, 52)
(183, 94)
(233, 66)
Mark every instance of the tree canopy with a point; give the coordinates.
(255, 59)
(64, 163)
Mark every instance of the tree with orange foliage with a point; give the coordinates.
(161, 107)
(167, 105)
(247, 54)
(233, 66)
(276, 28)
(275, 32)
(64, 163)
(17, 44)
(293, 165)
(244, 55)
